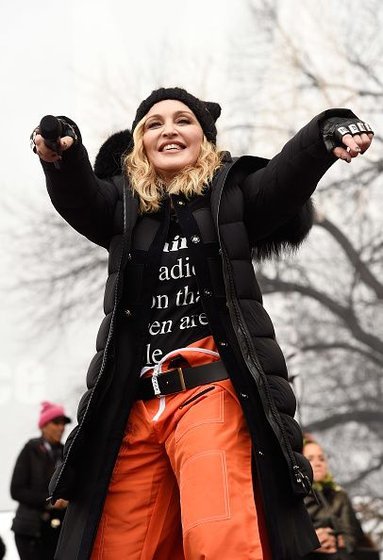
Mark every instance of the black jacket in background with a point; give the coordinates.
(29, 486)
(333, 508)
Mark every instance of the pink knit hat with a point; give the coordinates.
(50, 411)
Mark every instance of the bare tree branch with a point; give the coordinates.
(323, 346)
(271, 285)
(352, 254)
(370, 417)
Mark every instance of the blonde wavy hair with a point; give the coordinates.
(150, 188)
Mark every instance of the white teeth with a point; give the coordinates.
(170, 147)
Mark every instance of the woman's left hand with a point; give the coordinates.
(353, 145)
(346, 136)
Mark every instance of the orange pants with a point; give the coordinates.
(182, 486)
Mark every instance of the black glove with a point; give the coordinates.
(334, 128)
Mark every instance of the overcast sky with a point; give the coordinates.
(69, 57)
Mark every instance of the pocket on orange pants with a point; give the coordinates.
(197, 414)
(204, 488)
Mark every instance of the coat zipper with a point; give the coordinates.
(300, 478)
(106, 349)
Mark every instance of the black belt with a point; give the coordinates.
(180, 379)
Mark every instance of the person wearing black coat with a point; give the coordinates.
(37, 523)
(331, 511)
(185, 330)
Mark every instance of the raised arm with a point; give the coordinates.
(86, 202)
(277, 193)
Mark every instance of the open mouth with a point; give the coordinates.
(172, 147)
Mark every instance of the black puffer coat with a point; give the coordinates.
(253, 207)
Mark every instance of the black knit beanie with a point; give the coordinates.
(206, 112)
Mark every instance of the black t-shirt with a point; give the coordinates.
(177, 316)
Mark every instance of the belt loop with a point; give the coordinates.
(181, 378)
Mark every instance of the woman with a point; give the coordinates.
(37, 523)
(336, 525)
(186, 445)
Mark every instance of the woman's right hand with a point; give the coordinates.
(47, 154)
(327, 540)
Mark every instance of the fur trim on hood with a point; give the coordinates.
(288, 237)
(108, 159)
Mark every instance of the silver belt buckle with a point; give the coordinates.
(156, 387)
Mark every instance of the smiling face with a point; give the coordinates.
(172, 137)
(314, 453)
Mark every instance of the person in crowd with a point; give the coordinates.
(2, 549)
(186, 445)
(338, 529)
(37, 523)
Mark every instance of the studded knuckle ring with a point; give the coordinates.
(353, 128)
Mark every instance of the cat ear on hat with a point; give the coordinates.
(108, 159)
(214, 109)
